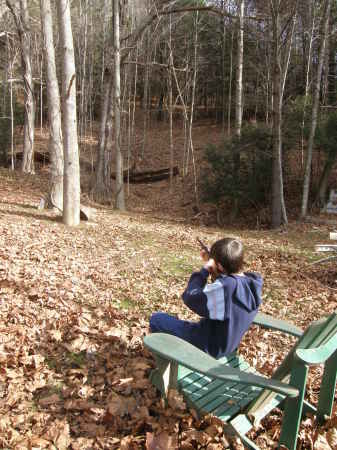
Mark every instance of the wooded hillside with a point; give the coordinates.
(266, 70)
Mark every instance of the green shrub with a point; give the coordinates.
(293, 120)
(326, 135)
(254, 183)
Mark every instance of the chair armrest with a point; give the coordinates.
(174, 349)
(276, 324)
(318, 355)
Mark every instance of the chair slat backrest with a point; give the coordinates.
(316, 335)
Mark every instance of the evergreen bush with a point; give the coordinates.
(326, 135)
(253, 187)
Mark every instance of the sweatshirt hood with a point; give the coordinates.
(248, 290)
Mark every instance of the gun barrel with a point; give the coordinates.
(203, 246)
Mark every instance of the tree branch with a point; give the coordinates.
(168, 10)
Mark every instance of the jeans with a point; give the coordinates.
(189, 331)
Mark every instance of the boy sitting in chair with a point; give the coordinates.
(227, 305)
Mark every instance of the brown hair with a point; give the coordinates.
(229, 253)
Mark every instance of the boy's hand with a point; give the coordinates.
(211, 266)
(204, 255)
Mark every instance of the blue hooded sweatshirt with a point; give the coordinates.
(227, 307)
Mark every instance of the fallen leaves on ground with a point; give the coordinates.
(74, 308)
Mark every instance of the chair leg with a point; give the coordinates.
(293, 408)
(308, 408)
(248, 443)
(231, 431)
(327, 391)
(165, 376)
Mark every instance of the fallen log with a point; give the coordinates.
(150, 176)
(153, 172)
(39, 157)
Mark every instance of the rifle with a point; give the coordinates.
(207, 251)
(203, 247)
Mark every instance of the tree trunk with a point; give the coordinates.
(170, 105)
(307, 74)
(133, 135)
(183, 104)
(71, 187)
(239, 70)
(119, 184)
(325, 74)
(229, 111)
(267, 85)
(315, 107)
(223, 67)
(278, 211)
(238, 101)
(23, 27)
(101, 188)
(10, 75)
(190, 147)
(83, 49)
(145, 99)
(55, 195)
(323, 182)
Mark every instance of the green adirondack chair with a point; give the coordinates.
(233, 391)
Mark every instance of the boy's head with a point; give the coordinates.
(229, 253)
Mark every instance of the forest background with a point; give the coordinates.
(263, 74)
(187, 114)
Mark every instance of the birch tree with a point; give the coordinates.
(170, 105)
(55, 195)
(71, 185)
(22, 22)
(239, 71)
(277, 186)
(306, 67)
(238, 96)
(281, 39)
(315, 106)
(119, 184)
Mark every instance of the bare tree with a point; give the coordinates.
(101, 180)
(238, 97)
(315, 106)
(280, 62)
(312, 9)
(170, 106)
(71, 186)
(145, 101)
(12, 55)
(229, 108)
(22, 22)
(239, 71)
(101, 184)
(55, 195)
(101, 189)
(119, 184)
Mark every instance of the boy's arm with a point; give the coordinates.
(193, 296)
